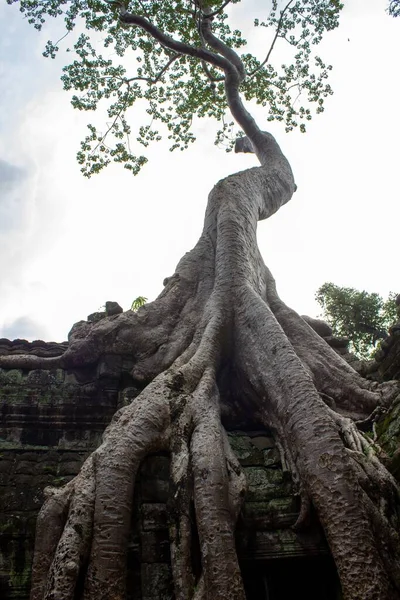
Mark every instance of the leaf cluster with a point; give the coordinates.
(138, 302)
(362, 317)
(116, 67)
(394, 8)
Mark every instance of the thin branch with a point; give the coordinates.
(118, 116)
(250, 75)
(144, 9)
(209, 75)
(160, 74)
(297, 97)
(218, 11)
(63, 37)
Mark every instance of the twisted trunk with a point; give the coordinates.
(221, 307)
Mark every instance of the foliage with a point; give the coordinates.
(394, 8)
(116, 67)
(138, 302)
(362, 317)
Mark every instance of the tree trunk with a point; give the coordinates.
(221, 307)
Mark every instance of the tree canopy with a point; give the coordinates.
(362, 317)
(162, 63)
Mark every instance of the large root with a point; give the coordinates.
(317, 439)
(90, 518)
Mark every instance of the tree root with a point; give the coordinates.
(179, 411)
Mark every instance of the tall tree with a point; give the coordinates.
(362, 317)
(218, 337)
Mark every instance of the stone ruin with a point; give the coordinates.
(53, 419)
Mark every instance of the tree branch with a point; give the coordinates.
(117, 116)
(220, 62)
(158, 76)
(209, 75)
(218, 11)
(219, 46)
(273, 41)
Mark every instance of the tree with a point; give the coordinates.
(218, 337)
(362, 317)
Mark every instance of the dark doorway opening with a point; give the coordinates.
(308, 578)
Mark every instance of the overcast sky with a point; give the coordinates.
(68, 244)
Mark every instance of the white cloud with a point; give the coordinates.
(24, 328)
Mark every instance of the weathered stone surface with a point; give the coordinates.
(53, 419)
(155, 546)
(110, 366)
(38, 347)
(245, 450)
(263, 442)
(96, 316)
(156, 581)
(267, 545)
(154, 516)
(265, 484)
(278, 513)
(113, 308)
(271, 457)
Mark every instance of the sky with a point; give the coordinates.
(68, 244)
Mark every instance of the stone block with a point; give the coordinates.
(277, 513)
(29, 456)
(25, 467)
(154, 490)
(156, 581)
(155, 467)
(283, 543)
(155, 547)
(13, 376)
(265, 484)
(6, 466)
(263, 441)
(69, 468)
(72, 457)
(271, 457)
(154, 517)
(246, 452)
(113, 308)
(110, 366)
